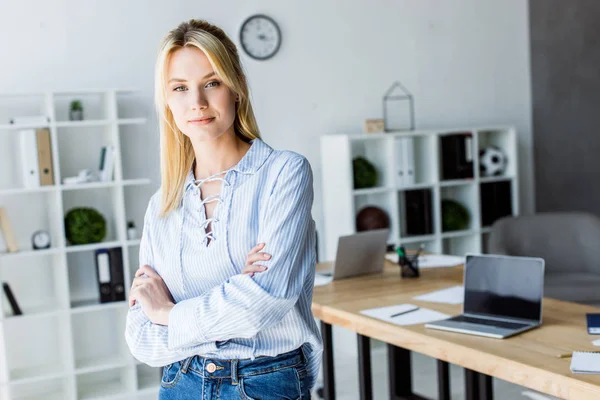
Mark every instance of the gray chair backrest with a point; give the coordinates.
(567, 241)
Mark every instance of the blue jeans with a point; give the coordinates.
(264, 378)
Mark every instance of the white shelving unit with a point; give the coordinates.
(67, 345)
(342, 202)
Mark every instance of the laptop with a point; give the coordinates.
(502, 296)
(357, 254)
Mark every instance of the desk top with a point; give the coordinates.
(528, 359)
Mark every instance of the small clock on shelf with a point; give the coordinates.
(40, 240)
(260, 37)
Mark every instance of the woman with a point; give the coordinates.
(222, 325)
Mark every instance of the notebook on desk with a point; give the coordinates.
(585, 362)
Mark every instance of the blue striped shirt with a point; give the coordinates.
(219, 312)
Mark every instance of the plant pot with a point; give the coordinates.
(76, 115)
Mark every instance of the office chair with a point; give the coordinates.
(569, 242)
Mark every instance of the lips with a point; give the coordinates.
(201, 121)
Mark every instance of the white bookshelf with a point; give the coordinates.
(341, 202)
(67, 345)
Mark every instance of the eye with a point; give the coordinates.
(213, 84)
(176, 89)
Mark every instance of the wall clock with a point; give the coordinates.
(260, 37)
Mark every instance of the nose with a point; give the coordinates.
(199, 101)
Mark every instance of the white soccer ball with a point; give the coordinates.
(492, 161)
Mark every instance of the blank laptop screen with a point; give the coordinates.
(504, 286)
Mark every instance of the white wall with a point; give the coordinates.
(465, 61)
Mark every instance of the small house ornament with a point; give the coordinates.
(398, 109)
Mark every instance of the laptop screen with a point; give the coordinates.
(502, 286)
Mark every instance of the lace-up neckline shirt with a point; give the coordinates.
(220, 312)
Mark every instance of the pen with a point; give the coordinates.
(564, 355)
(404, 312)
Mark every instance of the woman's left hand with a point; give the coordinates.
(152, 294)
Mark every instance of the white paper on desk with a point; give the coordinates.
(322, 280)
(432, 260)
(596, 342)
(420, 316)
(451, 295)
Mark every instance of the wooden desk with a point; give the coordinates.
(529, 359)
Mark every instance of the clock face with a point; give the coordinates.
(41, 240)
(260, 37)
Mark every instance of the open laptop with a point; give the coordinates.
(357, 254)
(502, 296)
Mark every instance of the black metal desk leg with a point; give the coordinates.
(471, 385)
(443, 370)
(478, 386)
(486, 387)
(364, 368)
(328, 378)
(399, 369)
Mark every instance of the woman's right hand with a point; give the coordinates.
(254, 256)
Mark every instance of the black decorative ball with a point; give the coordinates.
(371, 217)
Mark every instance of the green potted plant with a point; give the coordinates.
(84, 225)
(76, 111)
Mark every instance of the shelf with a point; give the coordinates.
(131, 121)
(24, 376)
(50, 388)
(96, 185)
(30, 253)
(100, 363)
(41, 189)
(10, 127)
(374, 190)
(416, 186)
(101, 384)
(35, 313)
(457, 182)
(453, 234)
(84, 123)
(500, 178)
(417, 239)
(68, 345)
(91, 247)
(91, 305)
(77, 186)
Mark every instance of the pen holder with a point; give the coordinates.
(409, 267)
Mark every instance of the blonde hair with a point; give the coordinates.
(176, 151)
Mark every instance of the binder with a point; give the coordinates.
(106, 163)
(400, 162)
(409, 160)
(11, 299)
(117, 280)
(44, 153)
(457, 156)
(30, 120)
(103, 275)
(417, 216)
(7, 232)
(29, 158)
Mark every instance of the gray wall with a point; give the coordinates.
(565, 75)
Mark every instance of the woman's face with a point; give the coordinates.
(202, 106)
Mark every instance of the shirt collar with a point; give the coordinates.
(254, 158)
